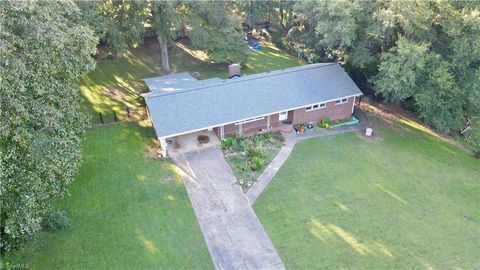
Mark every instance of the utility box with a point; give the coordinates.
(368, 132)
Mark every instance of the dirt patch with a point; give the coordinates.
(114, 92)
(387, 110)
(373, 138)
(153, 150)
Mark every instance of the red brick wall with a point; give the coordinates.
(297, 116)
(250, 127)
(274, 120)
(331, 111)
(229, 129)
(217, 131)
(254, 126)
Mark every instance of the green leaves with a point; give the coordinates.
(45, 51)
(216, 31)
(399, 71)
(410, 70)
(119, 23)
(425, 52)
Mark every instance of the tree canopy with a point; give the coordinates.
(420, 53)
(209, 25)
(120, 24)
(45, 49)
(216, 31)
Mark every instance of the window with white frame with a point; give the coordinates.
(316, 107)
(341, 101)
(250, 120)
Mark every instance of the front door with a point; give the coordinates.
(282, 116)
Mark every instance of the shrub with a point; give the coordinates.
(245, 166)
(256, 153)
(228, 142)
(256, 163)
(278, 136)
(56, 221)
(259, 140)
(325, 122)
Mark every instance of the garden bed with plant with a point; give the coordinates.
(249, 156)
(324, 123)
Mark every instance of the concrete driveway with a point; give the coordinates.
(234, 235)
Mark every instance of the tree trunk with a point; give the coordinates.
(289, 19)
(281, 15)
(164, 51)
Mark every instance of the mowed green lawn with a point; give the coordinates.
(129, 211)
(408, 201)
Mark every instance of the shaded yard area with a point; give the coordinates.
(407, 201)
(117, 83)
(114, 85)
(128, 211)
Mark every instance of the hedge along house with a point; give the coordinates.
(179, 104)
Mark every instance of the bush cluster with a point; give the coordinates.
(254, 148)
(325, 123)
(228, 143)
(56, 221)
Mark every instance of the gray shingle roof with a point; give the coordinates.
(218, 101)
(176, 82)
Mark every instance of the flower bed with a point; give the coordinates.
(345, 122)
(249, 156)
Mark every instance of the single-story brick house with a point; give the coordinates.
(180, 104)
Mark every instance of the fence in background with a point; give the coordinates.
(119, 115)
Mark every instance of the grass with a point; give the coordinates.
(128, 211)
(116, 84)
(407, 201)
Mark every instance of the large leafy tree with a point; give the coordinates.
(441, 76)
(119, 23)
(342, 30)
(167, 20)
(410, 70)
(209, 25)
(422, 52)
(216, 31)
(45, 48)
(256, 12)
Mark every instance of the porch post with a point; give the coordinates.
(353, 104)
(222, 132)
(163, 146)
(240, 129)
(268, 122)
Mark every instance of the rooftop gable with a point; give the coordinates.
(219, 101)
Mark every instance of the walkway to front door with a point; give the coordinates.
(234, 235)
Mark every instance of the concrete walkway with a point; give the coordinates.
(267, 175)
(235, 237)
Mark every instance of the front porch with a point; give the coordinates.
(190, 142)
